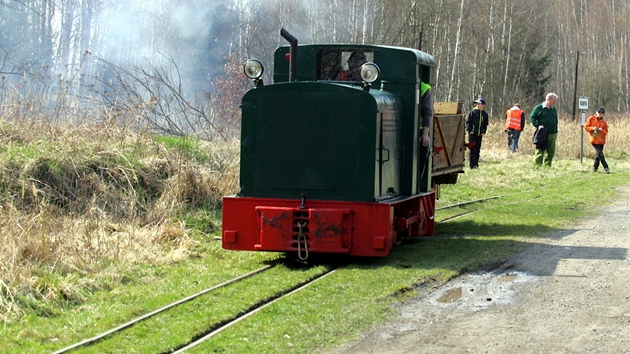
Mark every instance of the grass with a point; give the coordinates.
(100, 225)
(149, 287)
(199, 314)
(349, 302)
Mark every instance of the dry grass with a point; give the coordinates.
(569, 141)
(81, 204)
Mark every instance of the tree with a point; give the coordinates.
(504, 49)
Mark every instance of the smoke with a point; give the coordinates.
(193, 35)
(193, 38)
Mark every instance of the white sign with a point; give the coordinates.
(583, 103)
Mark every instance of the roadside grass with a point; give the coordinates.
(67, 277)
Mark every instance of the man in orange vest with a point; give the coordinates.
(514, 123)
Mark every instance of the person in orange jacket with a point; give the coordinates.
(597, 131)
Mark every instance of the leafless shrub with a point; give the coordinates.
(156, 90)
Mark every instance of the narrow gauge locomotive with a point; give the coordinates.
(333, 166)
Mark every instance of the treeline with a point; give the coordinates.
(176, 59)
(503, 50)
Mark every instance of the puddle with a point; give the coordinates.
(506, 278)
(451, 296)
(480, 290)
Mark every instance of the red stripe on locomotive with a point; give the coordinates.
(353, 228)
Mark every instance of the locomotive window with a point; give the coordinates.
(335, 63)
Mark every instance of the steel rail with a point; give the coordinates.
(253, 311)
(482, 200)
(162, 309)
(466, 203)
(484, 209)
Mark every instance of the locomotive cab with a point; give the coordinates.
(396, 92)
(329, 157)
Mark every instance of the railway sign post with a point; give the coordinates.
(583, 106)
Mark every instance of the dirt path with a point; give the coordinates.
(567, 293)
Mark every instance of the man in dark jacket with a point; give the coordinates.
(476, 126)
(546, 115)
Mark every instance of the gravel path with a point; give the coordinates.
(567, 293)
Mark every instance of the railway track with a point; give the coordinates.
(212, 329)
(475, 202)
(220, 326)
(253, 311)
(466, 204)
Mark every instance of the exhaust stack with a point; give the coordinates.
(292, 53)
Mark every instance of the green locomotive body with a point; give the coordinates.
(332, 165)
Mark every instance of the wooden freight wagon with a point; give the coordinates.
(449, 143)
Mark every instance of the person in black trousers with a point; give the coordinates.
(476, 125)
(597, 129)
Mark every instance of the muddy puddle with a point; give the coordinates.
(481, 290)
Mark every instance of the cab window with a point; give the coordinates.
(342, 64)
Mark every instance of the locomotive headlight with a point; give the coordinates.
(370, 72)
(253, 69)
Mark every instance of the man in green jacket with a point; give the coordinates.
(546, 115)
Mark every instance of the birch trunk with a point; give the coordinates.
(458, 36)
(487, 72)
(508, 50)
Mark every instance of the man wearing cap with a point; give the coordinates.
(476, 125)
(546, 115)
(514, 123)
(597, 131)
